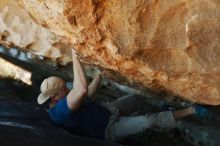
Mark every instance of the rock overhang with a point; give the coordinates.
(163, 45)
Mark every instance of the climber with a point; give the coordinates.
(76, 111)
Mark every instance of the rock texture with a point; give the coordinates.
(171, 45)
(19, 29)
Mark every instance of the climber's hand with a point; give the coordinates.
(103, 73)
(74, 53)
(100, 73)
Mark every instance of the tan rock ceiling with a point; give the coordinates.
(173, 44)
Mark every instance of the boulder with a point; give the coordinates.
(25, 123)
(164, 45)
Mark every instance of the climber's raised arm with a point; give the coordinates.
(94, 85)
(80, 88)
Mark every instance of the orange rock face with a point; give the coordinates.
(174, 44)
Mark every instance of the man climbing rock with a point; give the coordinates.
(76, 111)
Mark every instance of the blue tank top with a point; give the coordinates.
(90, 120)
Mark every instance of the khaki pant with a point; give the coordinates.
(122, 125)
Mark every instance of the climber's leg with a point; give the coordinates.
(126, 126)
(129, 104)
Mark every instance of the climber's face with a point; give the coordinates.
(60, 95)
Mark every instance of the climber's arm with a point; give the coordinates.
(77, 95)
(94, 85)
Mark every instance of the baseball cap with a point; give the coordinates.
(50, 87)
